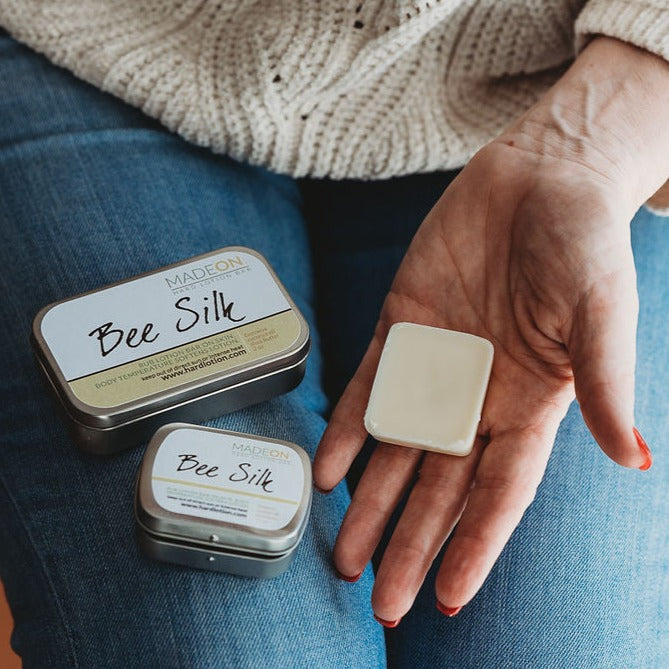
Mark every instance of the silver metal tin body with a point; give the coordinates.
(190, 341)
(222, 501)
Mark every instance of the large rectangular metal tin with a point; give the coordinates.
(110, 430)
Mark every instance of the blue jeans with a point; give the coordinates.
(91, 192)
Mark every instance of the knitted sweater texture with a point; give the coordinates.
(366, 88)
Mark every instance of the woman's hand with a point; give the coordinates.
(530, 248)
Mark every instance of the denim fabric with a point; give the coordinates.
(91, 192)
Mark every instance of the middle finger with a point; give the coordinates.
(432, 510)
(387, 476)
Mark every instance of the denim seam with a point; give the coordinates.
(69, 134)
(50, 583)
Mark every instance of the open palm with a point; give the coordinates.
(532, 253)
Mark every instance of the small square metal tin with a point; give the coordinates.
(222, 501)
(190, 341)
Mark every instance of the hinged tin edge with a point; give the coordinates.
(158, 402)
(219, 547)
(199, 409)
(196, 557)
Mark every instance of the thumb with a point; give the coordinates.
(602, 348)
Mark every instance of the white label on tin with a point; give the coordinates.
(159, 312)
(229, 478)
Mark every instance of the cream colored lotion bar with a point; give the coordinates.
(429, 388)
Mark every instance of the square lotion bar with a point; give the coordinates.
(429, 388)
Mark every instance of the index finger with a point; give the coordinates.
(345, 434)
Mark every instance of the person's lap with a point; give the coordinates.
(92, 192)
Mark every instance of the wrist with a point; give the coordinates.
(607, 114)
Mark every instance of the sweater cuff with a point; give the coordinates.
(642, 23)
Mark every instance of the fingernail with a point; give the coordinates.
(322, 491)
(387, 623)
(449, 611)
(644, 449)
(348, 579)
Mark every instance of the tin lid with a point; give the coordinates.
(169, 336)
(226, 489)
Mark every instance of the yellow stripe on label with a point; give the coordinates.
(232, 491)
(191, 362)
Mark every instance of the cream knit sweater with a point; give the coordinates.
(359, 88)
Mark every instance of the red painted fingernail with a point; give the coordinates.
(644, 449)
(387, 623)
(348, 579)
(322, 491)
(449, 611)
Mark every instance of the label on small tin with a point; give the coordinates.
(228, 478)
(169, 328)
